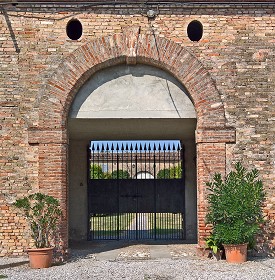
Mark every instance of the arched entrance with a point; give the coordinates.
(130, 103)
(129, 47)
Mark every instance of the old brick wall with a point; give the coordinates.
(237, 49)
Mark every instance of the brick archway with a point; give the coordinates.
(129, 47)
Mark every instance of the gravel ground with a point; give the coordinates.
(83, 265)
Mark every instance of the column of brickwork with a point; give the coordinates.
(52, 172)
(211, 159)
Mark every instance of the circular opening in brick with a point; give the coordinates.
(74, 29)
(195, 31)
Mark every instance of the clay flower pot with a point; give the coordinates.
(40, 257)
(236, 253)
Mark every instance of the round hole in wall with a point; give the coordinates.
(195, 31)
(74, 29)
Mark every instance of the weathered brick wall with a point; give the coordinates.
(237, 49)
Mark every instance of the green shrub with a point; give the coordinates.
(174, 172)
(163, 174)
(43, 213)
(96, 172)
(235, 206)
(120, 174)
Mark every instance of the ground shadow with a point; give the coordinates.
(87, 249)
(13, 264)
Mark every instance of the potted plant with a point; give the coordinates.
(214, 246)
(235, 210)
(42, 213)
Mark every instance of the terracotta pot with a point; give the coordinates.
(236, 253)
(40, 257)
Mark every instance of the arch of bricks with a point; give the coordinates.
(128, 47)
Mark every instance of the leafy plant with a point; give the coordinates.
(120, 174)
(97, 172)
(235, 206)
(42, 213)
(174, 172)
(163, 174)
(213, 244)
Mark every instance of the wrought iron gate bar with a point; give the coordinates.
(123, 162)
(123, 203)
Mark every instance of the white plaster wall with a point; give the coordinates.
(132, 92)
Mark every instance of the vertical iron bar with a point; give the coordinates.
(97, 148)
(107, 161)
(127, 159)
(183, 181)
(164, 160)
(131, 151)
(159, 158)
(117, 160)
(141, 159)
(137, 217)
(174, 226)
(145, 177)
(98, 227)
(127, 229)
(93, 166)
(145, 169)
(102, 159)
(136, 157)
(155, 194)
(174, 165)
(149, 214)
(118, 192)
(174, 232)
(167, 225)
(112, 158)
(122, 167)
(136, 170)
(169, 155)
(102, 224)
(88, 192)
(149, 151)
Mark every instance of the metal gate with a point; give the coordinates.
(136, 191)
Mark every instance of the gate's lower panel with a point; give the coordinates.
(136, 226)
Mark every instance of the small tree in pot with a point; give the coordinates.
(235, 210)
(43, 213)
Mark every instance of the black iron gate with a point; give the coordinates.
(136, 191)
